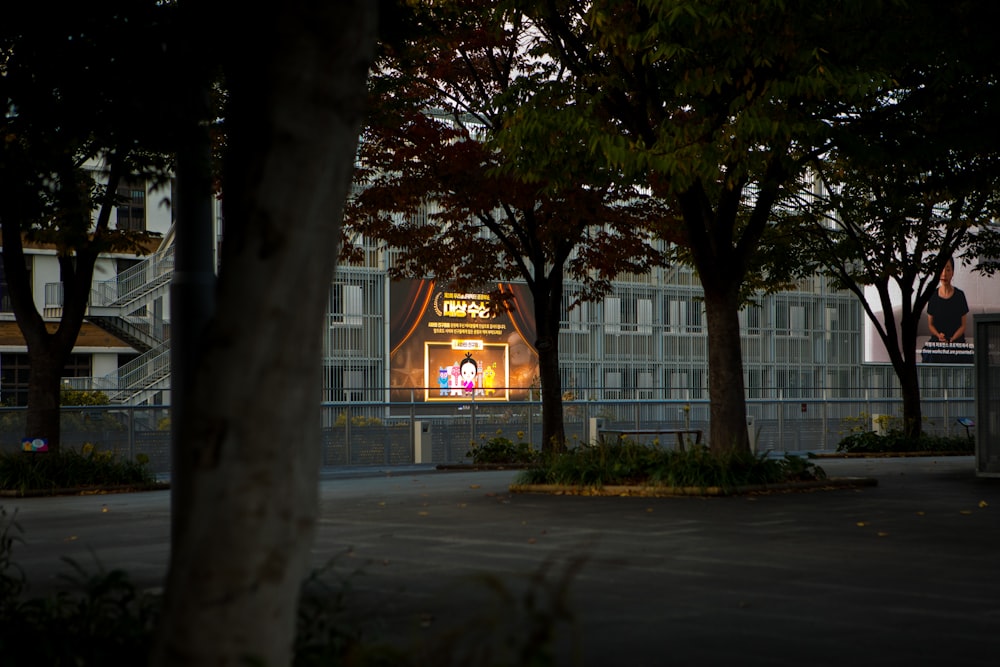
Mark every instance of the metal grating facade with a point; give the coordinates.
(648, 340)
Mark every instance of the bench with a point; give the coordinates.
(679, 432)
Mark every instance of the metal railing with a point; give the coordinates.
(135, 282)
(379, 433)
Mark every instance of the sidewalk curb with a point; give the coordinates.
(655, 491)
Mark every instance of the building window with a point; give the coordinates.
(15, 372)
(131, 207)
(612, 315)
(347, 305)
(5, 304)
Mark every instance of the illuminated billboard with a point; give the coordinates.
(982, 294)
(448, 346)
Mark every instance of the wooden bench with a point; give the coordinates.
(679, 432)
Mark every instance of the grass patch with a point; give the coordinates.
(24, 472)
(609, 463)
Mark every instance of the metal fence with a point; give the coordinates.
(125, 430)
(379, 433)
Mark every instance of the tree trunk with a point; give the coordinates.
(912, 413)
(726, 389)
(251, 419)
(42, 415)
(906, 370)
(47, 350)
(547, 301)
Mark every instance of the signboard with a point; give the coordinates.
(448, 346)
(982, 294)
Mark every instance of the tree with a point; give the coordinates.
(720, 107)
(246, 437)
(73, 128)
(915, 182)
(539, 210)
(892, 229)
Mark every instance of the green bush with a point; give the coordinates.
(627, 462)
(83, 397)
(895, 441)
(43, 471)
(502, 450)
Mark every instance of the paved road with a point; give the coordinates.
(903, 573)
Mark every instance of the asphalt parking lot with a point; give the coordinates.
(904, 572)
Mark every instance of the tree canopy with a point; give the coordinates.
(80, 115)
(914, 182)
(720, 107)
(440, 183)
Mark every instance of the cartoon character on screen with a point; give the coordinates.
(443, 381)
(490, 378)
(469, 369)
(456, 380)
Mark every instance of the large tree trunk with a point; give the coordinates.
(726, 389)
(250, 423)
(547, 302)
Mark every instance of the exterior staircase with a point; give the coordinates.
(129, 306)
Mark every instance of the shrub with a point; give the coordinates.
(502, 450)
(627, 462)
(895, 441)
(106, 620)
(83, 397)
(356, 420)
(25, 471)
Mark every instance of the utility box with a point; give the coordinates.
(986, 338)
(422, 450)
(752, 432)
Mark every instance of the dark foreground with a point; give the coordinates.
(903, 573)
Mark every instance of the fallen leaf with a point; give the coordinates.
(965, 512)
(423, 513)
(882, 533)
(473, 486)
(983, 503)
(920, 513)
(104, 509)
(862, 524)
(649, 509)
(71, 538)
(531, 540)
(381, 503)
(462, 506)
